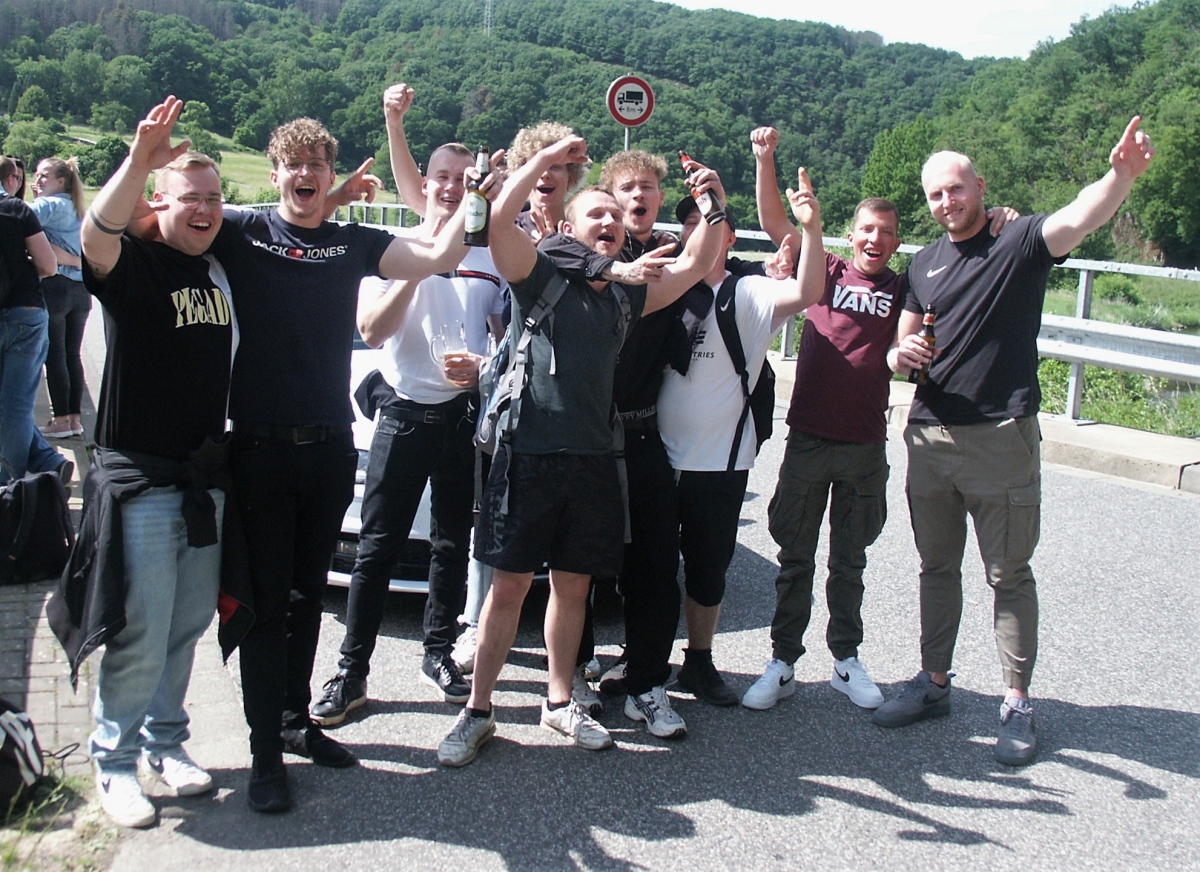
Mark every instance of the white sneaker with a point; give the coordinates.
(178, 771)
(465, 738)
(654, 708)
(582, 692)
(592, 669)
(122, 799)
(464, 649)
(612, 682)
(778, 681)
(850, 677)
(573, 721)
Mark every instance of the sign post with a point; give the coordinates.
(631, 102)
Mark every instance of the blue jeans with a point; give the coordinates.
(23, 344)
(171, 596)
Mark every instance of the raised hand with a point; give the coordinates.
(647, 269)
(763, 141)
(805, 207)
(151, 147)
(397, 100)
(1131, 155)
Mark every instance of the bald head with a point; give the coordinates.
(954, 193)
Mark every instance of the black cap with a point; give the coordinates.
(687, 205)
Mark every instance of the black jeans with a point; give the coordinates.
(292, 499)
(68, 304)
(404, 456)
(648, 577)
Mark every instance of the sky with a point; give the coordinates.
(1008, 28)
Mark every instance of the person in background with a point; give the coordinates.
(58, 203)
(25, 258)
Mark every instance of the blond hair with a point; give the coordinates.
(187, 161)
(629, 163)
(530, 140)
(68, 171)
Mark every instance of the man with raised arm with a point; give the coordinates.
(295, 280)
(972, 435)
(837, 423)
(434, 334)
(149, 545)
(558, 474)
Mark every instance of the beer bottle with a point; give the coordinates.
(706, 202)
(479, 209)
(921, 376)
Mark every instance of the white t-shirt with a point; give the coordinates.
(466, 296)
(698, 413)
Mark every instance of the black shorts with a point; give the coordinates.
(563, 509)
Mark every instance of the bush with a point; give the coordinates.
(1117, 288)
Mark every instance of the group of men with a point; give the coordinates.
(651, 342)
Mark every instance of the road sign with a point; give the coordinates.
(630, 100)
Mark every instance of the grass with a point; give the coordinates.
(44, 833)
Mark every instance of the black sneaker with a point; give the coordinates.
(343, 693)
(268, 792)
(316, 746)
(441, 673)
(700, 678)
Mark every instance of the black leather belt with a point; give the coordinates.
(421, 416)
(295, 435)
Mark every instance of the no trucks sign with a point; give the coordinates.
(630, 100)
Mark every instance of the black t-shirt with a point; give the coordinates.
(17, 223)
(296, 293)
(565, 407)
(988, 292)
(169, 335)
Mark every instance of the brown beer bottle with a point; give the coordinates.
(479, 209)
(920, 376)
(706, 202)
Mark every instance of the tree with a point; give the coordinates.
(34, 103)
(98, 162)
(31, 141)
(112, 116)
(893, 171)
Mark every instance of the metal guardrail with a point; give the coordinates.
(1077, 340)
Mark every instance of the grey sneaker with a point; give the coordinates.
(1017, 742)
(920, 699)
(612, 682)
(582, 692)
(464, 649)
(573, 721)
(468, 734)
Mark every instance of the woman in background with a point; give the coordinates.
(59, 206)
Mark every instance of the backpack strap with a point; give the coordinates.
(541, 310)
(727, 322)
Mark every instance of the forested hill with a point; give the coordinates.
(860, 114)
(716, 74)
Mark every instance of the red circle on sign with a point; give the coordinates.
(630, 100)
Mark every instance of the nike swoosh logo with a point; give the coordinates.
(845, 677)
(934, 272)
(783, 682)
(928, 702)
(726, 306)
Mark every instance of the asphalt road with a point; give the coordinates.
(810, 784)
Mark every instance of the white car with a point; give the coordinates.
(410, 574)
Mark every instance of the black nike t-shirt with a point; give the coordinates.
(169, 332)
(988, 293)
(296, 293)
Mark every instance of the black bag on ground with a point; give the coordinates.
(21, 766)
(35, 528)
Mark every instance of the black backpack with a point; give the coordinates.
(760, 403)
(21, 765)
(36, 534)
